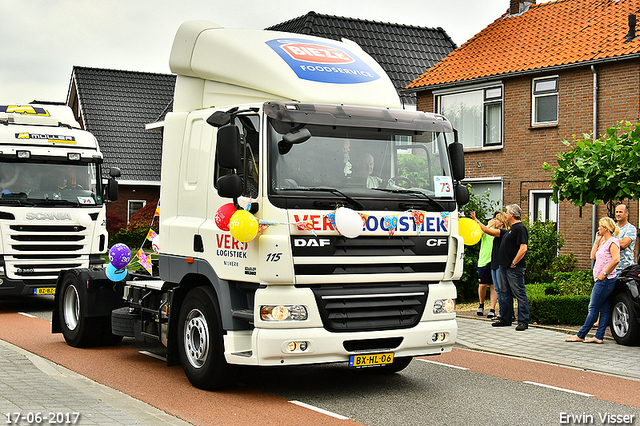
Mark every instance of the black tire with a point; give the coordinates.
(78, 331)
(200, 341)
(624, 322)
(122, 322)
(108, 338)
(399, 364)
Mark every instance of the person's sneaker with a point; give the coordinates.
(522, 327)
(480, 310)
(501, 324)
(491, 314)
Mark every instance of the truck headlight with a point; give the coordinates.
(441, 306)
(283, 313)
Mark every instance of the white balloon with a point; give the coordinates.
(85, 220)
(348, 222)
(155, 243)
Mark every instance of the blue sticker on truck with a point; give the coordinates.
(322, 62)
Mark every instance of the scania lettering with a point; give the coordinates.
(48, 225)
(347, 245)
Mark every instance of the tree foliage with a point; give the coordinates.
(599, 170)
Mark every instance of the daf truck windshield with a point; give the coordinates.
(375, 160)
(49, 184)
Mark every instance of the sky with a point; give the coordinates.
(41, 40)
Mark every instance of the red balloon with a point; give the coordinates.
(223, 215)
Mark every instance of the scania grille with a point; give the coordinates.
(37, 253)
(336, 255)
(364, 307)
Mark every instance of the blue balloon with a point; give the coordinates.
(114, 274)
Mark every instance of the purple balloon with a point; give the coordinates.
(119, 256)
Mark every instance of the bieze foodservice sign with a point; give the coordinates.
(322, 62)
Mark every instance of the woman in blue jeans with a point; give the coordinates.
(606, 252)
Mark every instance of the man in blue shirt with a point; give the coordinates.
(627, 238)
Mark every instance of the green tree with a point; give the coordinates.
(599, 170)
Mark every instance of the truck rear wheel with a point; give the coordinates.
(200, 341)
(78, 331)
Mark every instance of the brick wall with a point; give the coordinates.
(525, 148)
(128, 192)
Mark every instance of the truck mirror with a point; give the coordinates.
(112, 190)
(293, 137)
(462, 194)
(219, 119)
(456, 154)
(230, 186)
(228, 147)
(115, 172)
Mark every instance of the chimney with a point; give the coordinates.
(519, 6)
(632, 28)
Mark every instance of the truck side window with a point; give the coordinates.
(250, 144)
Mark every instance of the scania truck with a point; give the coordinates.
(52, 198)
(355, 199)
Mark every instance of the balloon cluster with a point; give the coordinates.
(243, 226)
(469, 230)
(119, 258)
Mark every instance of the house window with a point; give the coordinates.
(489, 187)
(541, 207)
(476, 114)
(134, 206)
(545, 100)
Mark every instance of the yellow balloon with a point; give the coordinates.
(243, 226)
(469, 230)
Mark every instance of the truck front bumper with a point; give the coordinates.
(274, 346)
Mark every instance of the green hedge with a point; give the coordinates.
(556, 309)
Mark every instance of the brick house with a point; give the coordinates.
(116, 106)
(537, 75)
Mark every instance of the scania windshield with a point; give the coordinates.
(49, 184)
(325, 155)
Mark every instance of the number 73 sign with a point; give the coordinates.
(443, 186)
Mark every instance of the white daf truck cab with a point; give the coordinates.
(356, 201)
(52, 201)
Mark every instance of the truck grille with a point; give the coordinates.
(336, 255)
(364, 307)
(37, 253)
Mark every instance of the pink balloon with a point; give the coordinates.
(223, 215)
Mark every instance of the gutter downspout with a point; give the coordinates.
(594, 216)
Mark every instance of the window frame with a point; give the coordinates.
(144, 203)
(486, 101)
(536, 194)
(537, 94)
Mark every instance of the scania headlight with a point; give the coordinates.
(441, 306)
(283, 313)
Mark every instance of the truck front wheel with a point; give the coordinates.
(200, 341)
(78, 331)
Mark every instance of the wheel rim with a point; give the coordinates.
(71, 307)
(196, 338)
(620, 319)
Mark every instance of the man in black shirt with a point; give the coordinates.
(513, 248)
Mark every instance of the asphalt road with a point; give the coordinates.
(461, 388)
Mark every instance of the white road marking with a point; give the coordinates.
(27, 315)
(440, 363)
(557, 388)
(319, 410)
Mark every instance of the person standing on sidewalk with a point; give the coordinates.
(500, 221)
(484, 270)
(606, 252)
(511, 255)
(627, 238)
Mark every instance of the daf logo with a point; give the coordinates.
(48, 216)
(321, 242)
(436, 242)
